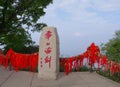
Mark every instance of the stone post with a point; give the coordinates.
(48, 64)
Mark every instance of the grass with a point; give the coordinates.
(115, 77)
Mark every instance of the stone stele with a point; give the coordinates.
(48, 64)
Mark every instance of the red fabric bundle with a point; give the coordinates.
(25, 61)
(70, 61)
(22, 61)
(114, 68)
(33, 61)
(104, 60)
(81, 61)
(76, 65)
(93, 54)
(63, 62)
(2, 60)
(9, 55)
(67, 67)
(67, 64)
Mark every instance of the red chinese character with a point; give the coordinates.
(41, 63)
(48, 50)
(48, 43)
(48, 60)
(48, 35)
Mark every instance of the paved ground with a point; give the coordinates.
(75, 79)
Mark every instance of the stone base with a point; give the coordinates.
(48, 76)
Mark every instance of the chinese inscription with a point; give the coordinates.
(48, 50)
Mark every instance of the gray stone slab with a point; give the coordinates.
(103, 85)
(74, 79)
(19, 79)
(4, 75)
(71, 80)
(95, 80)
(37, 82)
(86, 79)
(75, 86)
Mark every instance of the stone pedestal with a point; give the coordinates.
(48, 64)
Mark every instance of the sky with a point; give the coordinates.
(81, 22)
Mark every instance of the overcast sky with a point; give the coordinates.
(81, 22)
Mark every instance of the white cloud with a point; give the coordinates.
(81, 33)
(78, 34)
(77, 10)
(106, 5)
(84, 21)
(76, 5)
(80, 17)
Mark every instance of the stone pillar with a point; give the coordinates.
(48, 64)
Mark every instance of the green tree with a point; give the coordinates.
(17, 18)
(112, 48)
(31, 49)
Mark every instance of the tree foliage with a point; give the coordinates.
(112, 48)
(31, 49)
(17, 17)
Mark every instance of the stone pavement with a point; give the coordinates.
(74, 79)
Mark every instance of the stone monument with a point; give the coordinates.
(48, 64)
